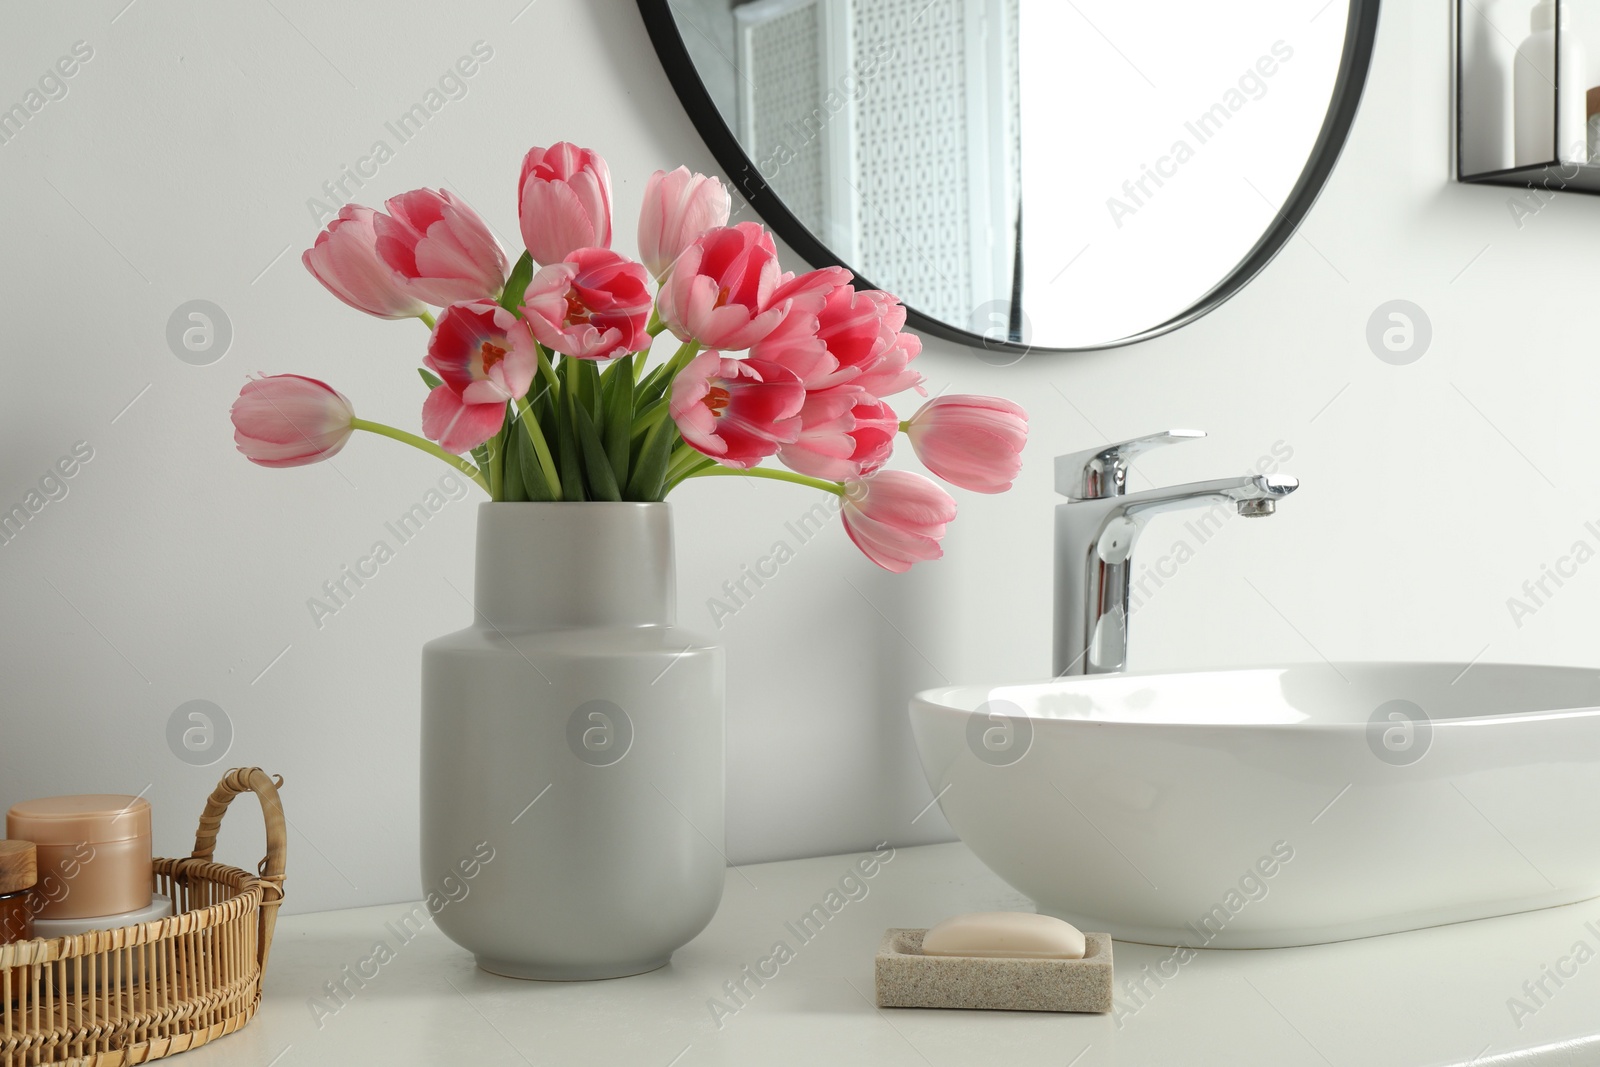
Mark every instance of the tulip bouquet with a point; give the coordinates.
(537, 376)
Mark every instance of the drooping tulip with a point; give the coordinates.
(485, 357)
(974, 442)
(679, 206)
(844, 433)
(286, 420)
(594, 305)
(344, 258)
(440, 247)
(737, 411)
(563, 202)
(720, 291)
(897, 518)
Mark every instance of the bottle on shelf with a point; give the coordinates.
(1549, 90)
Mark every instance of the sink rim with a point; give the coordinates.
(964, 699)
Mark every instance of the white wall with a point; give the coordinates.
(178, 166)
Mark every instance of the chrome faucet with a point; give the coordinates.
(1096, 530)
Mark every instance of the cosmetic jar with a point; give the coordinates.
(157, 908)
(18, 872)
(94, 856)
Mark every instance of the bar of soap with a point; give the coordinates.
(906, 977)
(1005, 935)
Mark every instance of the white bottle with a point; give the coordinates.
(1550, 125)
(1486, 62)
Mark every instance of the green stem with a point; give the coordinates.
(658, 411)
(689, 471)
(541, 448)
(427, 319)
(683, 457)
(547, 372)
(836, 488)
(497, 465)
(424, 444)
(905, 425)
(682, 357)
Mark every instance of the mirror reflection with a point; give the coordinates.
(1059, 174)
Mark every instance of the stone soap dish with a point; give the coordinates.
(908, 979)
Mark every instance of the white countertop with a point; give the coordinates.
(1435, 996)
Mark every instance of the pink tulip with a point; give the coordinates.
(844, 433)
(345, 260)
(563, 202)
(794, 342)
(888, 370)
(485, 357)
(737, 411)
(809, 292)
(593, 306)
(720, 292)
(897, 518)
(678, 207)
(440, 246)
(971, 441)
(285, 420)
(854, 337)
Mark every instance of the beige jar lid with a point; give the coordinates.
(98, 818)
(19, 866)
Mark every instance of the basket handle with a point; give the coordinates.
(270, 871)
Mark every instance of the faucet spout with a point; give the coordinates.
(1096, 534)
(1250, 489)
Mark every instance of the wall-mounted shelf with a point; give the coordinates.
(1528, 93)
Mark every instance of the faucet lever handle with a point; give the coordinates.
(1102, 472)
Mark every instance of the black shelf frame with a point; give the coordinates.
(1552, 174)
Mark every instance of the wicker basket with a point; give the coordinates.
(138, 993)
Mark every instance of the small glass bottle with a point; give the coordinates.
(19, 870)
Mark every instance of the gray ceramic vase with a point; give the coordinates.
(572, 750)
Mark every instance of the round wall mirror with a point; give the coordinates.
(1044, 174)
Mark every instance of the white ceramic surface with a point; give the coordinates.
(572, 750)
(1278, 806)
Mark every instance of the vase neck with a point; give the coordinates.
(550, 566)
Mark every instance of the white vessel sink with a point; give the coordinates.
(1277, 806)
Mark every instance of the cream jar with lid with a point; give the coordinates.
(94, 854)
(18, 873)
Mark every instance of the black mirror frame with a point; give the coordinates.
(1360, 33)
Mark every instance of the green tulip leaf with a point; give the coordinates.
(517, 285)
(617, 427)
(649, 474)
(602, 482)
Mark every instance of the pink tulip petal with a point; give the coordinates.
(892, 549)
(440, 247)
(475, 338)
(459, 426)
(678, 207)
(344, 258)
(736, 411)
(554, 221)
